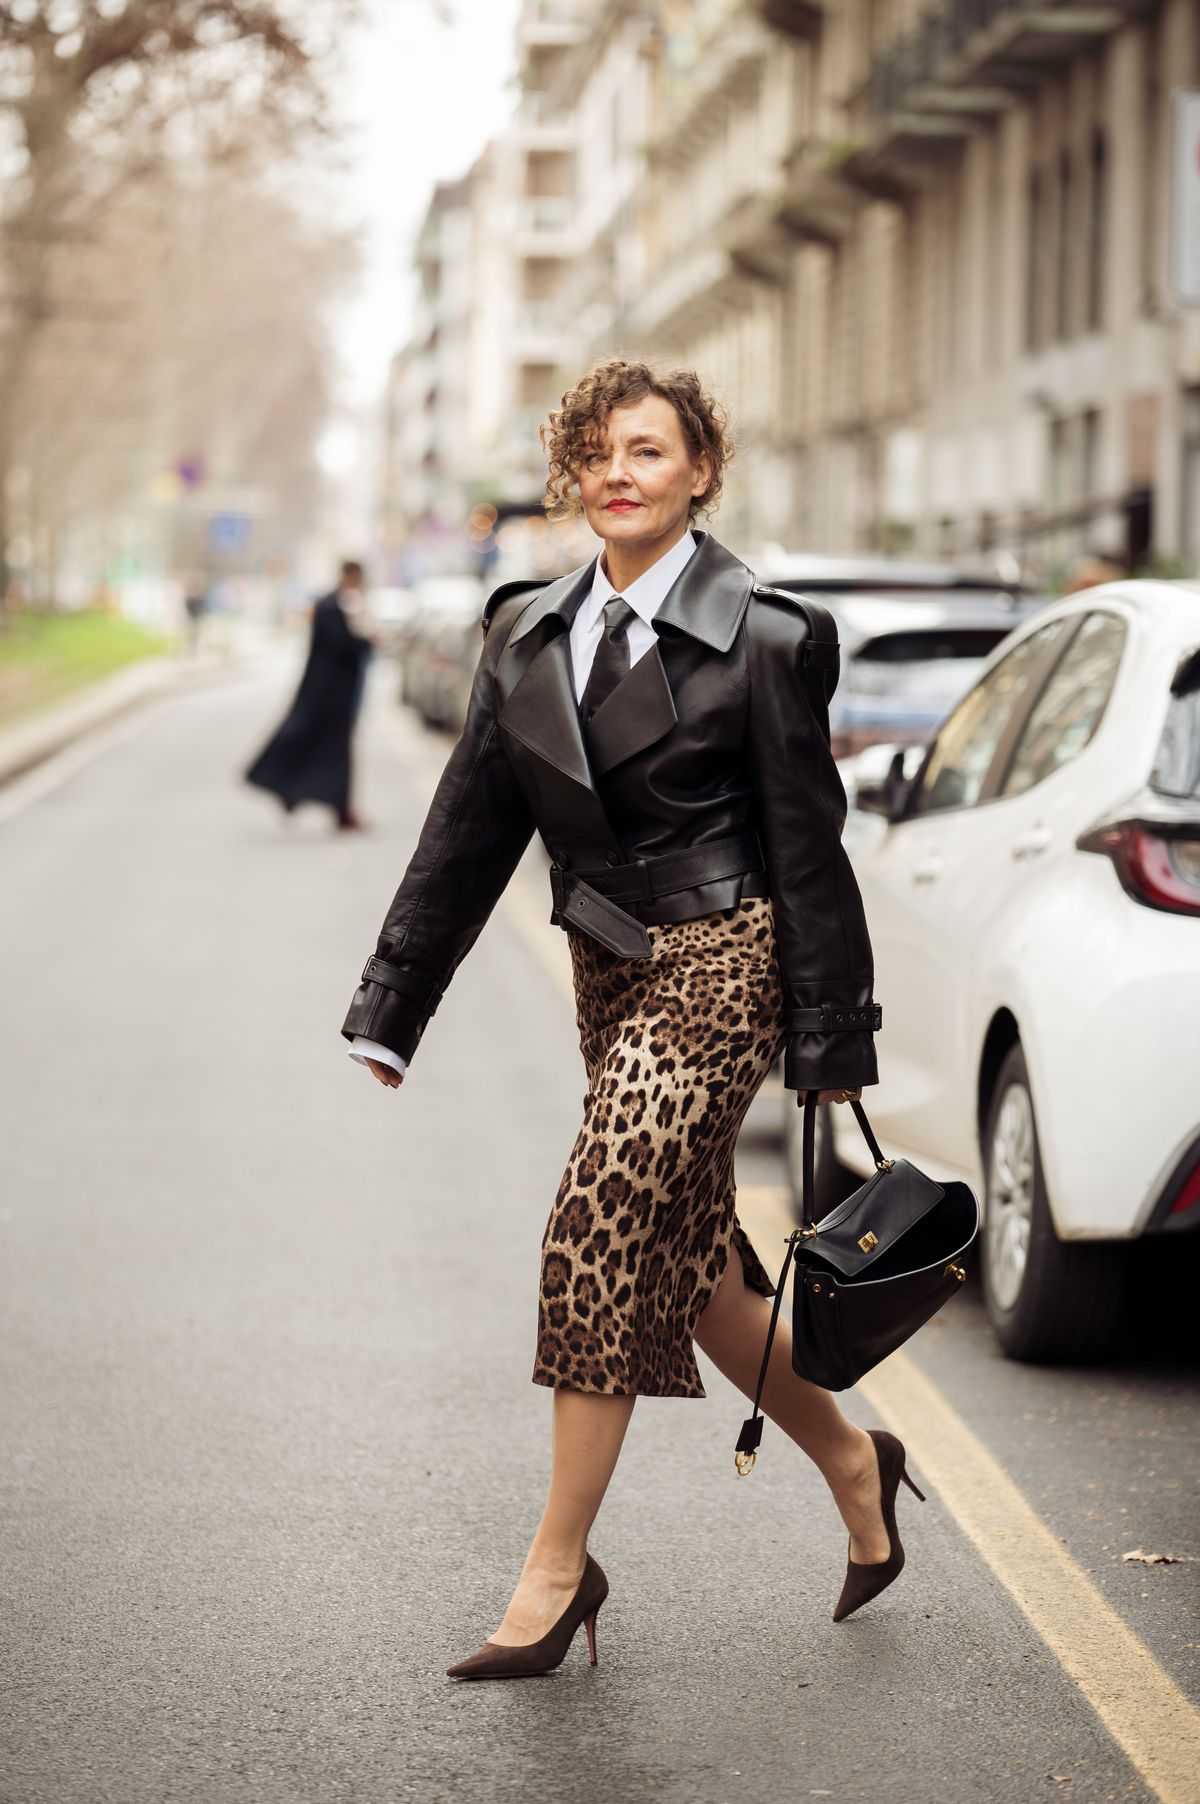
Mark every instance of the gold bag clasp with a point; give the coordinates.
(868, 1240)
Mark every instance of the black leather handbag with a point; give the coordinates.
(868, 1274)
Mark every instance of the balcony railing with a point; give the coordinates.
(551, 23)
(547, 215)
(798, 18)
(541, 109)
(539, 316)
(992, 41)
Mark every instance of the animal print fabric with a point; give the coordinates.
(675, 1047)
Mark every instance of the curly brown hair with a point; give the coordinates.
(578, 426)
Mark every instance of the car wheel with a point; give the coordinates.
(828, 1176)
(1048, 1299)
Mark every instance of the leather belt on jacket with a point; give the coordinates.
(588, 900)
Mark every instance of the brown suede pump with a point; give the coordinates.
(528, 1662)
(865, 1582)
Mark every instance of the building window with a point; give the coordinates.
(952, 298)
(1097, 233)
(1152, 171)
(1190, 536)
(536, 384)
(994, 253)
(1034, 234)
(1059, 485)
(1064, 260)
(1090, 454)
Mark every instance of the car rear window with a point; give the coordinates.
(1177, 767)
(934, 646)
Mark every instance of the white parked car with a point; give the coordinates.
(1033, 895)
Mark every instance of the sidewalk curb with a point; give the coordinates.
(30, 743)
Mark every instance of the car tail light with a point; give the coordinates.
(1189, 1196)
(1160, 869)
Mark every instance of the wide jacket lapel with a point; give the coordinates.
(706, 603)
(709, 597)
(541, 709)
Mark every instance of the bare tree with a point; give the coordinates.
(95, 96)
(208, 296)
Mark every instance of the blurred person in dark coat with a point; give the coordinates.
(309, 758)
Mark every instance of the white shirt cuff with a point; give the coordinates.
(361, 1050)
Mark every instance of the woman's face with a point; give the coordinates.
(639, 483)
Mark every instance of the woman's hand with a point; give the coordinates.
(824, 1096)
(387, 1074)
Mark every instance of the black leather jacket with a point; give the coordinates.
(710, 780)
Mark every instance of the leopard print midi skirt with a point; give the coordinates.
(675, 1047)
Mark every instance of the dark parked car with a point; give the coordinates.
(914, 638)
(441, 648)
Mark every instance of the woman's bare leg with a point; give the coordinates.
(588, 1432)
(732, 1331)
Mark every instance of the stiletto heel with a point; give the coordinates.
(912, 1487)
(528, 1662)
(863, 1582)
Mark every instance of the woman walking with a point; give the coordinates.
(308, 758)
(661, 721)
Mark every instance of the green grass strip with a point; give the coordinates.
(43, 657)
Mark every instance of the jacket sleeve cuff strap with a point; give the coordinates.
(422, 991)
(829, 1019)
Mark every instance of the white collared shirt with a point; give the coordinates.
(645, 597)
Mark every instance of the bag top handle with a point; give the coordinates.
(808, 1154)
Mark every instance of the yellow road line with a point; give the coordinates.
(1142, 1708)
(1139, 1704)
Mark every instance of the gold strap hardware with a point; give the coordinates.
(958, 1270)
(810, 1233)
(744, 1463)
(885, 1165)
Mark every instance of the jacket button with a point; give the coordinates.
(612, 858)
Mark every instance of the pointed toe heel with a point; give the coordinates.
(862, 1583)
(537, 1657)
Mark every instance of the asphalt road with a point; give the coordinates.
(270, 1456)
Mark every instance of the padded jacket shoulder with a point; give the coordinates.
(517, 595)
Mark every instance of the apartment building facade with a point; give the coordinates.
(921, 248)
(924, 252)
(1053, 364)
(489, 338)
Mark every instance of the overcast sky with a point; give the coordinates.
(431, 81)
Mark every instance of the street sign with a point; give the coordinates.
(230, 532)
(190, 471)
(1185, 196)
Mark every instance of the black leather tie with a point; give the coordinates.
(611, 662)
